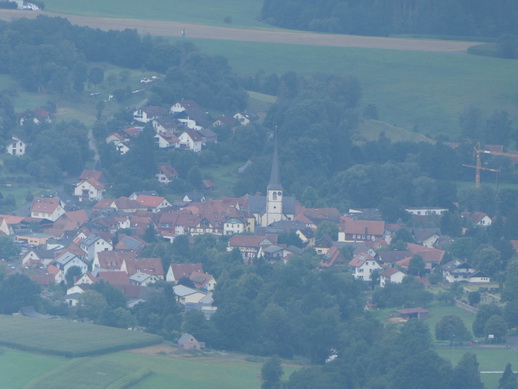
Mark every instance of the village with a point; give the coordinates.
(92, 238)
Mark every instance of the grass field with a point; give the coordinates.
(110, 370)
(67, 338)
(242, 13)
(414, 90)
(14, 371)
(488, 359)
(90, 373)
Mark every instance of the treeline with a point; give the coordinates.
(52, 55)
(486, 18)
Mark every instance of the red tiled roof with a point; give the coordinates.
(45, 204)
(181, 270)
(150, 201)
(371, 227)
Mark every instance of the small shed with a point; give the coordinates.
(413, 313)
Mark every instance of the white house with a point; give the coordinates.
(147, 114)
(68, 260)
(49, 208)
(89, 190)
(93, 245)
(166, 174)
(362, 266)
(391, 275)
(16, 147)
(191, 140)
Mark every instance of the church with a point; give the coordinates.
(274, 206)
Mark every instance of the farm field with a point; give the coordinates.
(143, 370)
(241, 12)
(68, 338)
(419, 91)
(14, 371)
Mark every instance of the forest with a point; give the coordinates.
(486, 18)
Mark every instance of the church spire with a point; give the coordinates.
(275, 175)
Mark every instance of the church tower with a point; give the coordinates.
(274, 192)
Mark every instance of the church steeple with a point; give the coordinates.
(274, 212)
(275, 175)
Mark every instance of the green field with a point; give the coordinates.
(68, 338)
(488, 359)
(145, 371)
(14, 371)
(242, 13)
(418, 91)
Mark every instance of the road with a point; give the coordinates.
(165, 28)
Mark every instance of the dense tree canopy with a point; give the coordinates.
(385, 17)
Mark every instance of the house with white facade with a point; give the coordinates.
(50, 208)
(362, 266)
(94, 244)
(16, 147)
(191, 140)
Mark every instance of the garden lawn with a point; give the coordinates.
(68, 338)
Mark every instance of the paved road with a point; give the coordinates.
(164, 28)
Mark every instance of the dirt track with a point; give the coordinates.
(249, 35)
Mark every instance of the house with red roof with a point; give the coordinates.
(50, 208)
(151, 267)
(432, 257)
(332, 257)
(352, 230)
(166, 174)
(191, 140)
(152, 203)
(362, 266)
(166, 140)
(177, 271)
(89, 190)
(391, 275)
(250, 246)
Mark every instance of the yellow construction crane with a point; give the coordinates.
(479, 167)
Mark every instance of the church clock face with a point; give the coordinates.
(279, 193)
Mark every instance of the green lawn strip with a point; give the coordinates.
(488, 359)
(229, 13)
(68, 338)
(17, 368)
(90, 373)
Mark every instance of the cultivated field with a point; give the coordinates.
(67, 338)
(163, 367)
